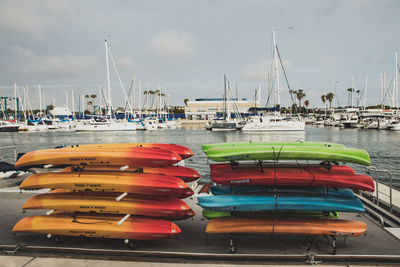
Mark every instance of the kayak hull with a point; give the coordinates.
(308, 226)
(312, 176)
(98, 226)
(134, 183)
(137, 156)
(280, 203)
(94, 202)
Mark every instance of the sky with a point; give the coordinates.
(186, 47)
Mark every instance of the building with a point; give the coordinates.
(207, 108)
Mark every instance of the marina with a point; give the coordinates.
(212, 133)
(192, 243)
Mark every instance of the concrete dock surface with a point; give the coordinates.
(192, 242)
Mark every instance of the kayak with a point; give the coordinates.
(280, 203)
(100, 202)
(259, 189)
(206, 147)
(184, 173)
(182, 151)
(137, 156)
(276, 153)
(309, 226)
(100, 226)
(294, 175)
(135, 183)
(210, 214)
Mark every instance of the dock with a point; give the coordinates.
(381, 244)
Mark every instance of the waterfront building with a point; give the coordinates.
(207, 108)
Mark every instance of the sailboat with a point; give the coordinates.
(274, 121)
(226, 123)
(108, 124)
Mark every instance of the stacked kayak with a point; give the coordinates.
(268, 188)
(126, 191)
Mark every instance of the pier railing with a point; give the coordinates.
(389, 174)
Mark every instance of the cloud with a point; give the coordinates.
(125, 63)
(14, 17)
(173, 44)
(29, 63)
(259, 71)
(31, 17)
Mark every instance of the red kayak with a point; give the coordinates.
(184, 173)
(291, 175)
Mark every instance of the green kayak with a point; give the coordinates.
(209, 214)
(285, 152)
(299, 143)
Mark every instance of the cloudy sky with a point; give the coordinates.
(186, 46)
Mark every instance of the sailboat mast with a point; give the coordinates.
(396, 83)
(73, 104)
(108, 79)
(40, 101)
(15, 101)
(277, 98)
(365, 92)
(134, 95)
(140, 99)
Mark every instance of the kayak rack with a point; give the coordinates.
(312, 238)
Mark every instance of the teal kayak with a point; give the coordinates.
(289, 152)
(206, 147)
(211, 214)
(263, 203)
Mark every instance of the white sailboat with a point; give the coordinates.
(274, 121)
(108, 124)
(226, 123)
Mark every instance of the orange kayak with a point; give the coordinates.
(100, 202)
(182, 151)
(184, 173)
(310, 226)
(136, 156)
(99, 226)
(135, 183)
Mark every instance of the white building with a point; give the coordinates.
(207, 108)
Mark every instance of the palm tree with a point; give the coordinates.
(152, 94)
(323, 98)
(330, 96)
(300, 95)
(89, 103)
(350, 97)
(93, 97)
(307, 103)
(185, 101)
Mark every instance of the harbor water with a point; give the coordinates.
(383, 146)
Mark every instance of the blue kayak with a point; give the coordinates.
(259, 189)
(281, 203)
